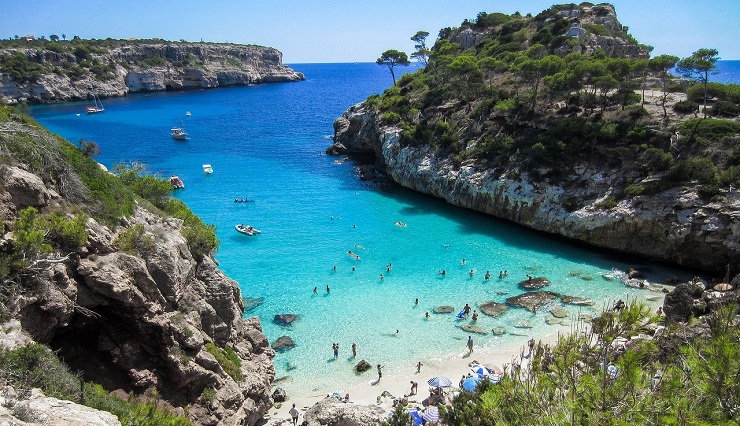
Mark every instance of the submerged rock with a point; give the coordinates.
(575, 300)
(498, 331)
(531, 301)
(472, 328)
(283, 343)
(362, 366)
(523, 324)
(285, 319)
(534, 283)
(444, 309)
(559, 312)
(493, 309)
(252, 302)
(553, 320)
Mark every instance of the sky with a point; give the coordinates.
(324, 31)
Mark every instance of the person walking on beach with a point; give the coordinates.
(470, 344)
(294, 414)
(354, 350)
(335, 346)
(380, 372)
(414, 387)
(418, 367)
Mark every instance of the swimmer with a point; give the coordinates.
(359, 246)
(472, 272)
(382, 277)
(334, 268)
(500, 274)
(353, 269)
(506, 273)
(327, 288)
(416, 302)
(488, 275)
(426, 315)
(442, 272)
(315, 290)
(463, 262)
(354, 226)
(446, 245)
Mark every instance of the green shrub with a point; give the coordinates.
(131, 412)
(694, 168)
(390, 117)
(20, 68)
(709, 128)
(656, 159)
(66, 232)
(227, 359)
(633, 190)
(685, 107)
(134, 241)
(607, 204)
(208, 395)
(36, 366)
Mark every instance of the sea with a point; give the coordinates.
(266, 144)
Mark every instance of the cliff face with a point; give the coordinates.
(674, 226)
(141, 322)
(145, 67)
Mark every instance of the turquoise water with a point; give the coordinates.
(266, 143)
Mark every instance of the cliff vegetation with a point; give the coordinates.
(562, 122)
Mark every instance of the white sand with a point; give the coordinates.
(399, 385)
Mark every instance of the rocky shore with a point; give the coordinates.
(675, 226)
(144, 67)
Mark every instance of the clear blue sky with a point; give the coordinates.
(350, 30)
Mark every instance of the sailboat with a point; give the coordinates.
(178, 133)
(97, 108)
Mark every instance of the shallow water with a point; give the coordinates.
(265, 143)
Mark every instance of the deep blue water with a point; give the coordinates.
(266, 142)
(726, 72)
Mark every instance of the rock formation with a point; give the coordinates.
(145, 66)
(331, 411)
(38, 409)
(153, 321)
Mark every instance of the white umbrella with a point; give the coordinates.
(439, 382)
(431, 414)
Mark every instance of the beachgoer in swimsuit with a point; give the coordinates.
(470, 344)
(327, 288)
(475, 316)
(354, 350)
(488, 275)
(380, 372)
(315, 290)
(418, 367)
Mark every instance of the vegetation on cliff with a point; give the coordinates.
(568, 86)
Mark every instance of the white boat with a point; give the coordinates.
(179, 133)
(188, 114)
(247, 230)
(98, 107)
(176, 182)
(207, 169)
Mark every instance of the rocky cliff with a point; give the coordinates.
(159, 320)
(676, 225)
(139, 66)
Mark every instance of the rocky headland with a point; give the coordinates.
(75, 70)
(490, 129)
(159, 320)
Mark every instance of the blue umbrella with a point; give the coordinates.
(439, 382)
(471, 383)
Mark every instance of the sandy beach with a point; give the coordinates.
(399, 384)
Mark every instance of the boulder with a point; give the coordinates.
(534, 283)
(531, 301)
(279, 395)
(444, 309)
(283, 343)
(493, 309)
(332, 411)
(679, 304)
(38, 409)
(553, 320)
(285, 319)
(472, 328)
(498, 331)
(362, 366)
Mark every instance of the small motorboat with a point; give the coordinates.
(188, 114)
(247, 230)
(176, 182)
(207, 169)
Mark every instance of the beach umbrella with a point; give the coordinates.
(481, 370)
(439, 382)
(495, 377)
(431, 414)
(471, 383)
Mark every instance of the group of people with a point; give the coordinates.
(335, 349)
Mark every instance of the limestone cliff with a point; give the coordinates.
(153, 320)
(676, 225)
(139, 66)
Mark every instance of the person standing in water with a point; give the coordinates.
(354, 350)
(470, 344)
(380, 372)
